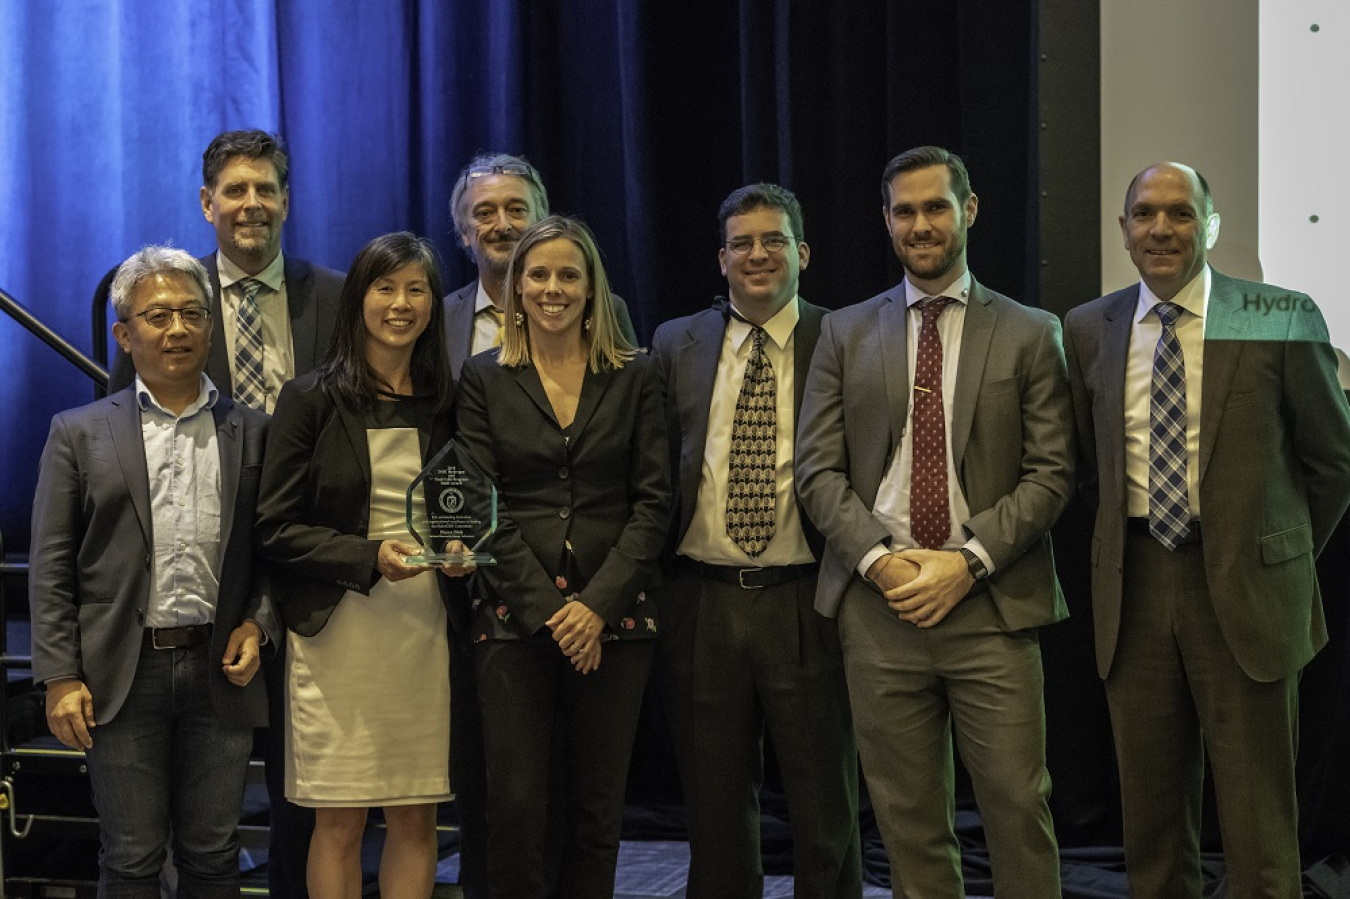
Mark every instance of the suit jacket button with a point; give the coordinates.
(563, 473)
(564, 512)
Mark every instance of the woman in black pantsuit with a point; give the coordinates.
(567, 420)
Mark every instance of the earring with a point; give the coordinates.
(520, 319)
(586, 323)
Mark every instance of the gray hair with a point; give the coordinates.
(538, 194)
(152, 260)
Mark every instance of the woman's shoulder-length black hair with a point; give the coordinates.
(345, 373)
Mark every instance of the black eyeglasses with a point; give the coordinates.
(772, 243)
(194, 317)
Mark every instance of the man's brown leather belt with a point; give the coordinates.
(178, 637)
(749, 578)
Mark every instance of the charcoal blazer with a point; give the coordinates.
(312, 294)
(314, 508)
(1011, 437)
(459, 316)
(90, 576)
(606, 490)
(1274, 464)
(687, 351)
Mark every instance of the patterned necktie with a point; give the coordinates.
(752, 489)
(500, 318)
(930, 522)
(1169, 508)
(250, 387)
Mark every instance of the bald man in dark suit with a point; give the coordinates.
(1216, 450)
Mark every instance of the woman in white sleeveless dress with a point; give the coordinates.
(368, 688)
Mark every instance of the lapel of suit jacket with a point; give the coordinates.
(230, 447)
(1113, 355)
(354, 424)
(696, 362)
(977, 333)
(124, 421)
(893, 326)
(1225, 328)
(304, 313)
(527, 378)
(593, 388)
(459, 314)
(218, 357)
(804, 338)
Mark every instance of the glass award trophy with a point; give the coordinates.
(461, 505)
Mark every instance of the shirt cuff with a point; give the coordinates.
(975, 546)
(872, 555)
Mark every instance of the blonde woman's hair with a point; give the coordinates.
(606, 345)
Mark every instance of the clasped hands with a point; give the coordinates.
(922, 585)
(577, 630)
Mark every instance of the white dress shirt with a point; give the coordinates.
(892, 503)
(707, 540)
(275, 314)
(182, 461)
(484, 323)
(1144, 336)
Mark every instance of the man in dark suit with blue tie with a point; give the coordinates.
(742, 652)
(148, 613)
(1215, 447)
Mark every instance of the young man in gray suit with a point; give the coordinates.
(1216, 450)
(742, 653)
(935, 453)
(148, 616)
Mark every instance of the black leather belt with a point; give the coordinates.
(749, 578)
(1139, 528)
(178, 637)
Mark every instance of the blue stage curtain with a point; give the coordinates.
(641, 116)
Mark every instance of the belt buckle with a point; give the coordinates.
(740, 579)
(154, 638)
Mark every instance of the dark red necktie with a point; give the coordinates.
(930, 522)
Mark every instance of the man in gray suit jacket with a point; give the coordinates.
(1216, 450)
(935, 453)
(147, 613)
(742, 652)
(245, 196)
(283, 308)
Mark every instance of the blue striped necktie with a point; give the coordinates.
(1169, 508)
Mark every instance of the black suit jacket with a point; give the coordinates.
(314, 507)
(89, 581)
(606, 490)
(312, 294)
(687, 351)
(459, 316)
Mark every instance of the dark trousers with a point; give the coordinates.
(733, 664)
(468, 771)
(166, 768)
(289, 826)
(534, 705)
(1176, 693)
